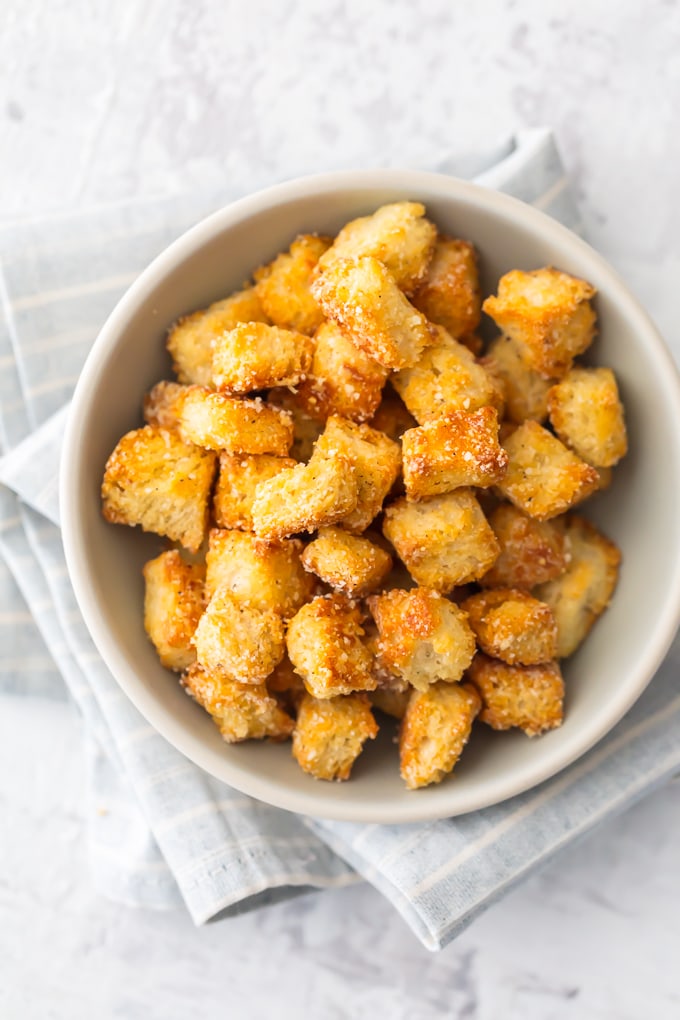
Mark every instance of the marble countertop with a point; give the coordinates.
(108, 101)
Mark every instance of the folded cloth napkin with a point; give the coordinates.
(161, 831)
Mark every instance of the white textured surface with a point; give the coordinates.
(103, 101)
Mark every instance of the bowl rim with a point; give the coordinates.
(311, 802)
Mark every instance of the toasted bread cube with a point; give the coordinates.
(375, 460)
(190, 340)
(173, 604)
(450, 294)
(391, 700)
(157, 480)
(306, 428)
(266, 575)
(587, 415)
(526, 390)
(434, 731)
(527, 697)
(422, 637)
(342, 380)
(219, 422)
(443, 541)
(457, 450)
(348, 563)
(398, 235)
(392, 416)
(255, 356)
(548, 313)
(237, 482)
(531, 551)
(446, 378)
(240, 711)
(511, 625)
(582, 593)
(362, 297)
(306, 497)
(330, 733)
(160, 404)
(544, 478)
(325, 645)
(247, 643)
(286, 685)
(283, 285)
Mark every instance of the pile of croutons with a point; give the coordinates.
(376, 515)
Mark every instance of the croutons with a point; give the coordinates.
(190, 340)
(459, 449)
(342, 380)
(511, 625)
(157, 480)
(531, 551)
(391, 700)
(329, 734)
(219, 422)
(306, 428)
(422, 637)
(173, 603)
(361, 296)
(392, 416)
(528, 697)
(398, 235)
(237, 482)
(266, 575)
(450, 294)
(255, 356)
(443, 541)
(582, 593)
(240, 711)
(348, 563)
(587, 415)
(283, 285)
(525, 389)
(446, 378)
(549, 313)
(325, 645)
(375, 461)
(160, 404)
(543, 477)
(434, 731)
(247, 643)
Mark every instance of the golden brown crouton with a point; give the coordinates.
(392, 416)
(526, 390)
(173, 603)
(247, 643)
(155, 479)
(362, 297)
(306, 428)
(391, 700)
(422, 637)
(531, 551)
(325, 645)
(459, 449)
(255, 356)
(544, 478)
(218, 422)
(237, 481)
(160, 404)
(348, 563)
(342, 380)
(283, 285)
(434, 731)
(443, 541)
(446, 378)
(450, 294)
(190, 340)
(548, 313)
(529, 697)
(286, 685)
(329, 734)
(398, 235)
(587, 415)
(240, 711)
(375, 461)
(513, 626)
(582, 593)
(266, 575)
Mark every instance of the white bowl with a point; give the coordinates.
(639, 511)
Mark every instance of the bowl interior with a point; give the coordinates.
(638, 511)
